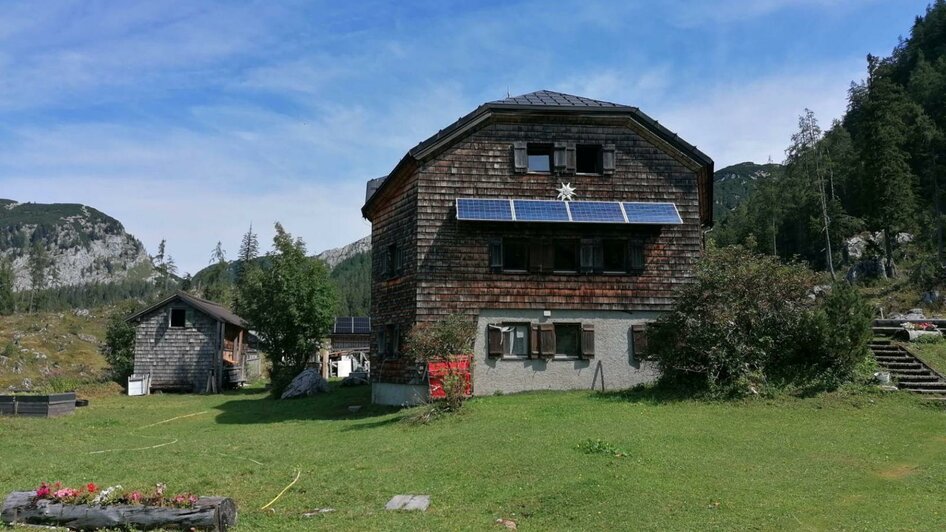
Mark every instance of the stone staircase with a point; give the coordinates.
(907, 371)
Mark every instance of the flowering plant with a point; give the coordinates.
(920, 326)
(91, 494)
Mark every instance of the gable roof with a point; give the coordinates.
(545, 101)
(214, 310)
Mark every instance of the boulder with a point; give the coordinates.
(862, 270)
(307, 383)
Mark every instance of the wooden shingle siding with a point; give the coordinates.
(179, 358)
(393, 297)
(452, 258)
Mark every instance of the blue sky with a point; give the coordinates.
(189, 120)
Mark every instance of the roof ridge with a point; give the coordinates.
(547, 97)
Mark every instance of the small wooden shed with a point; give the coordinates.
(185, 343)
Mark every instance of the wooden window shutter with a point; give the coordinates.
(534, 340)
(559, 157)
(547, 339)
(399, 261)
(587, 340)
(639, 339)
(381, 342)
(385, 260)
(635, 255)
(607, 159)
(494, 340)
(587, 258)
(548, 255)
(599, 255)
(520, 157)
(496, 255)
(570, 158)
(536, 256)
(189, 318)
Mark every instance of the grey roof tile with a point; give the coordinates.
(555, 99)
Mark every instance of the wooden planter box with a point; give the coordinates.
(210, 513)
(52, 405)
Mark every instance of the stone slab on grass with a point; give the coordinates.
(408, 503)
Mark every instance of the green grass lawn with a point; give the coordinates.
(934, 354)
(863, 461)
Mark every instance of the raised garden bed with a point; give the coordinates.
(208, 513)
(49, 405)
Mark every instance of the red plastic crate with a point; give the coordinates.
(436, 371)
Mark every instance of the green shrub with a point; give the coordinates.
(750, 324)
(439, 342)
(119, 346)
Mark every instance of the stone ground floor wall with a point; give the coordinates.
(613, 367)
(391, 394)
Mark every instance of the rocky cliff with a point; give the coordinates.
(332, 257)
(83, 244)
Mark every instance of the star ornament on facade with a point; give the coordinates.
(566, 192)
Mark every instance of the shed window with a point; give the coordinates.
(540, 158)
(568, 339)
(588, 158)
(179, 317)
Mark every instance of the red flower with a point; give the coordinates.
(43, 491)
(91, 487)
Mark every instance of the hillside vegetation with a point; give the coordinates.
(879, 172)
(733, 184)
(53, 349)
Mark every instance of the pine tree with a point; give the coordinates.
(887, 176)
(41, 269)
(7, 303)
(249, 251)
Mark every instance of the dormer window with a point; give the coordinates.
(588, 159)
(540, 158)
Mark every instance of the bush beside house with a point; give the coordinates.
(751, 324)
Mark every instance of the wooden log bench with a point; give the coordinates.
(209, 513)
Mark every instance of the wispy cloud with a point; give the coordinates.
(188, 120)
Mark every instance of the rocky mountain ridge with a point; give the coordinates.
(332, 257)
(733, 184)
(84, 245)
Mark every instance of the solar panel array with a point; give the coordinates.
(352, 325)
(609, 212)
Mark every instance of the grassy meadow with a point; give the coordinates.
(838, 461)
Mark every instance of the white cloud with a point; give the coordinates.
(753, 120)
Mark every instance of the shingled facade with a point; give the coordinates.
(557, 305)
(190, 344)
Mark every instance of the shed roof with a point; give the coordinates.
(550, 101)
(214, 310)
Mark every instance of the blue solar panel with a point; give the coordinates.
(652, 213)
(596, 211)
(613, 212)
(484, 209)
(541, 211)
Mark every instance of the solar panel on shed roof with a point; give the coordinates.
(652, 213)
(497, 210)
(596, 211)
(541, 211)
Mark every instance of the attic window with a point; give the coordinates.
(588, 159)
(540, 158)
(178, 317)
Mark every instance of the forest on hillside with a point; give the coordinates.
(878, 170)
